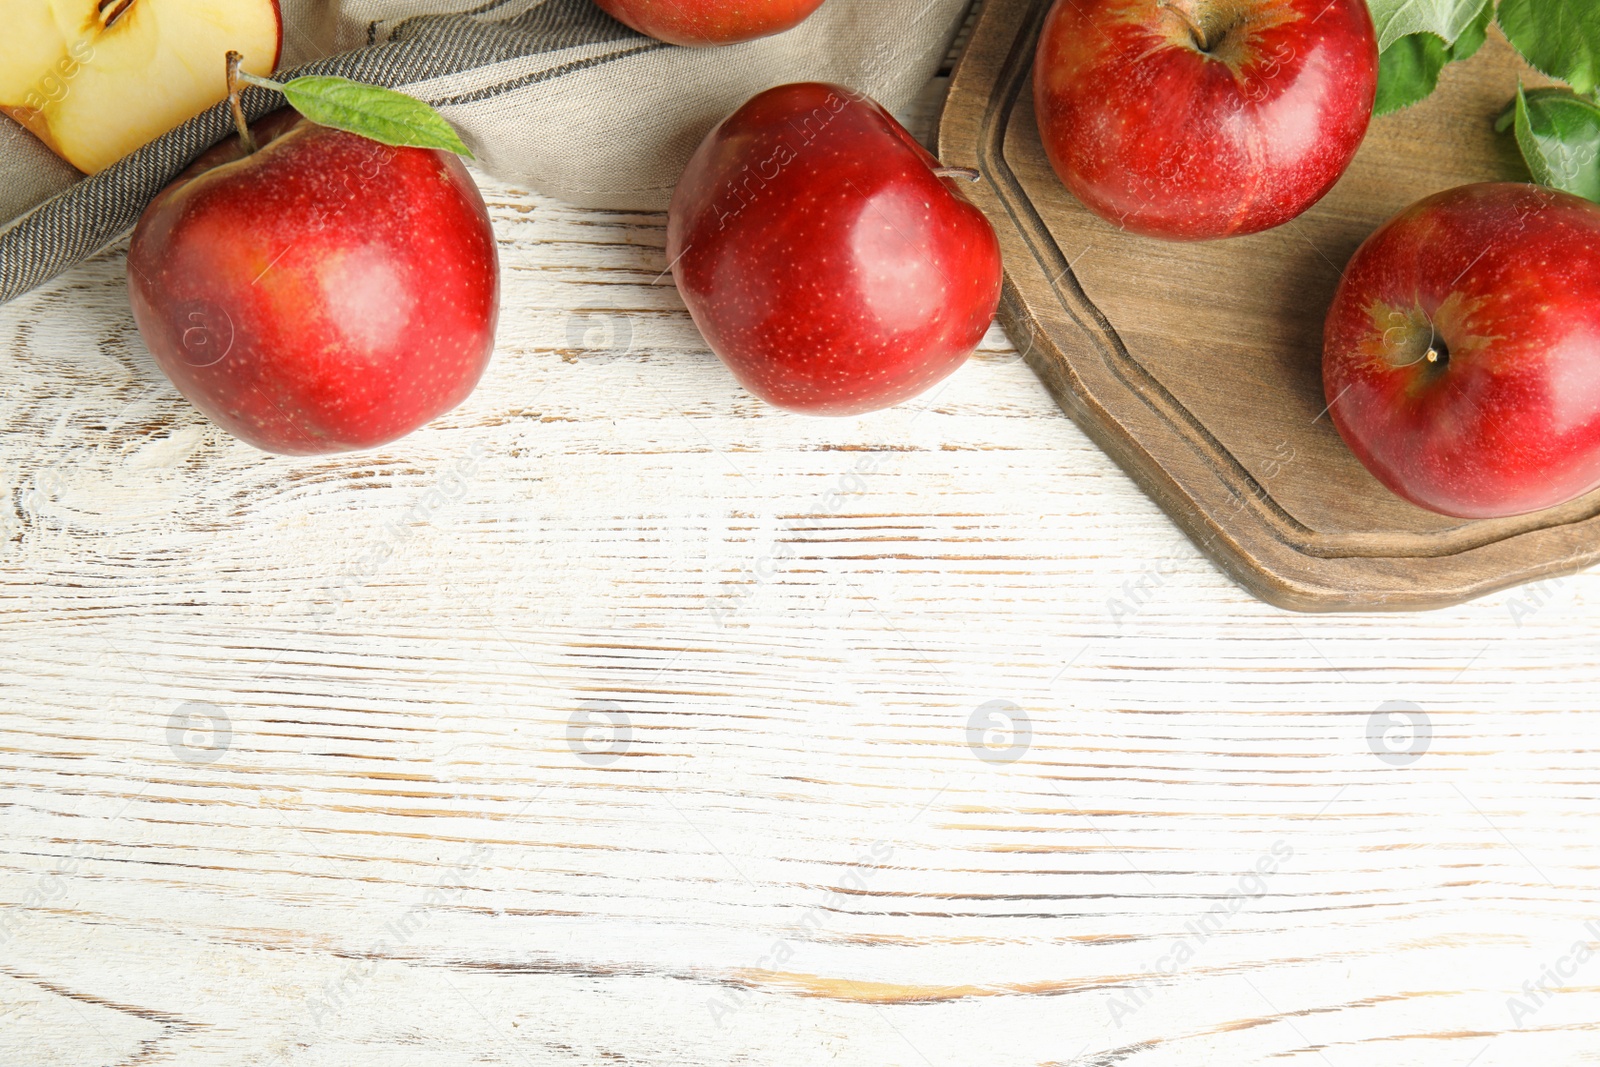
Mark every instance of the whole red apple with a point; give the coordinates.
(323, 294)
(708, 22)
(1461, 358)
(824, 256)
(1192, 119)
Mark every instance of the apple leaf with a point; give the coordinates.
(372, 111)
(1559, 134)
(1408, 70)
(1561, 38)
(1471, 39)
(1445, 19)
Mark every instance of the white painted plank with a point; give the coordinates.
(792, 850)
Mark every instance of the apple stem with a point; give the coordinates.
(964, 173)
(245, 137)
(1196, 34)
(112, 10)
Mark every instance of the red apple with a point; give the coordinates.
(1462, 353)
(323, 294)
(705, 22)
(1192, 119)
(825, 257)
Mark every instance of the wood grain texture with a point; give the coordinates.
(1197, 365)
(782, 830)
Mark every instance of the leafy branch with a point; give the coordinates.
(379, 114)
(1557, 128)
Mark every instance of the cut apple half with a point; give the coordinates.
(97, 79)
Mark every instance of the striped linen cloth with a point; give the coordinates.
(553, 94)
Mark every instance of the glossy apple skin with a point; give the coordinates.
(709, 22)
(1166, 140)
(325, 294)
(823, 259)
(1507, 420)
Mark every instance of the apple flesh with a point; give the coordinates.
(97, 80)
(324, 294)
(709, 22)
(824, 258)
(1193, 119)
(1461, 357)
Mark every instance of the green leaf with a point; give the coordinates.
(1408, 70)
(1445, 19)
(1559, 37)
(1559, 134)
(1477, 31)
(372, 111)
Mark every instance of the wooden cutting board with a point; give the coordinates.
(1197, 365)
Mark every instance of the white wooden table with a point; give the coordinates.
(618, 718)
